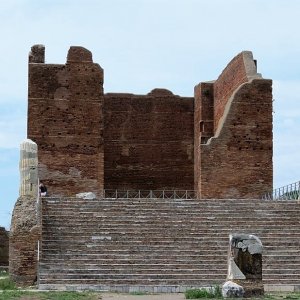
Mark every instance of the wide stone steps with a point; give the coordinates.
(119, 244)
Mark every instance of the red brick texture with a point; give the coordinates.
(3, 247)
(219, 142)
(148, 141)
(23, 242)
(237, 161)
(65, 119)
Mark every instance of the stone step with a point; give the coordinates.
(159, 242)
(164, 222)
(123, 288)
(174, 277)
(125, 271)
(113, 282)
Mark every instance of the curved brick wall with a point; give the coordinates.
(235, 74)
(238, 162)
(233, 158)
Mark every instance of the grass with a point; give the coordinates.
(8, 290)
(15, 295)
(210, 293)
(5, 282)
(138, 293)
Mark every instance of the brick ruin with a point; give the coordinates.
(4, 246)
(218, 142)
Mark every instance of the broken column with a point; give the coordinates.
(28, 169)
(244, 267)
(24, 233)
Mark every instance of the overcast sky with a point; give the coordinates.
(143, 44)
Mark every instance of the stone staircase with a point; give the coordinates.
(161, 245)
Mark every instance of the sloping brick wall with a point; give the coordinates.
(237, 161)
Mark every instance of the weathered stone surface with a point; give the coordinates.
(37, 54)
(25, 230)
(231, 289)
(246, 250)
(87, 195)
(4, 246)
(23, 241)
(233, 270)
(245, 263)
(28, 169)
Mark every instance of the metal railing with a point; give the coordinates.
(288, 192)
(156, 194)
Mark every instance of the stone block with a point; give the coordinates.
(232, 290)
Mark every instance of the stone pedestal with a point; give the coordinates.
(245, 264)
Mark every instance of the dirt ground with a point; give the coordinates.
(120, 296)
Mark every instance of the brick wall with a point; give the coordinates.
(148, 141)
(237, 161)
(203, 123)
(230, 79)
(89, 141)
(3, 247)
(65, 120)
(23, 241)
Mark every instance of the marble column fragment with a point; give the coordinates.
(28, 169)
(245, 264)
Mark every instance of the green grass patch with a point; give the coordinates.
(7, 284)
(210, 293)
(15, 295)
(68, 295)
(11, 295)
(138, 293)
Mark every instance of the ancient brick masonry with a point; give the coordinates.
(65, 120)
(3, 247)
(25, 231)
(218, 142)
(148, 141)
(233, 150)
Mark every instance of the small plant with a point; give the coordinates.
(6, 295)
(213, 292)
(67, 295)
(7, 284)
(138, 293)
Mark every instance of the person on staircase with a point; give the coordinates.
(43, 190)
